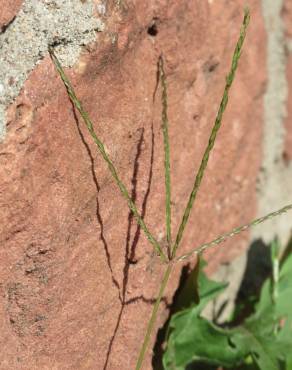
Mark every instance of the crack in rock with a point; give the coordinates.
(7, 25)
(70, 24)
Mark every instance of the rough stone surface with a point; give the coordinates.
(77, 276)
(275, 180)
(287, 17)
(39, 24)
(8, 10)
(288, 141)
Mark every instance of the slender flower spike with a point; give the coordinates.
(166, 154)
(77, 104)
(222, 238)
(216, 128)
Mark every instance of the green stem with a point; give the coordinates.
(275, 258)
(166, 154)
(216, 127)
(77, 104)
(153, 316)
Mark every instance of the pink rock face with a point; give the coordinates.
(8, 10)
(77, 276)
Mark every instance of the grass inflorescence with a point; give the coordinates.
(169, 257)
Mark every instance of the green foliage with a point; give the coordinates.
(265, 337)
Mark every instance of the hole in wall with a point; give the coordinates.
(210, 66)
(152, 29)
(213, 66)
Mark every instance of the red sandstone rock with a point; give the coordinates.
(287, 15)
(8, 10)
(70, 299)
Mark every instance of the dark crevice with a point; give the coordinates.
(98, 214)
(131, 256)
(130, 249)
(132, 236)
(5, 27)
(152, 29)
(13, 233)
(210, 66)
(113, 337)
(213, 66)
(130, 246)
(150, 301)
(59, 41)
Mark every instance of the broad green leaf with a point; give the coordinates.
(195, 338)
(285, 337)
(187, 324)
(208, 289)
(196, 284)
(289, 363)
(262, 336)
(283, 305)
(261, 348)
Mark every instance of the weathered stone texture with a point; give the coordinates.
(77, 278)
(288, 125)
(8, 10)
(287, 17)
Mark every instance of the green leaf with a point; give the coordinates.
(283, 306)
(270, 342)
(198, 289)
(289, 363)
(285, 337)
(195, 338)
(261, 348)
(180, 343)
(264, 336)
(189, 294)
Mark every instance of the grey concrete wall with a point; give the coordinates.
(275, 177)
(70, 24)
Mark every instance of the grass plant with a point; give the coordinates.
(170, 258)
